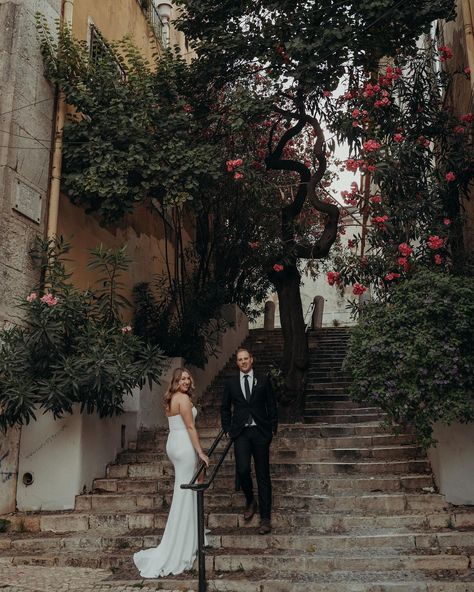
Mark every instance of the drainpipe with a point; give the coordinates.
(55, 182)
(469, 33)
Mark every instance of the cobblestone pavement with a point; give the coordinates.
(32, 578)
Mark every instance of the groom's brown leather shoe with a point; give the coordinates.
(250, 510)
(265, 526)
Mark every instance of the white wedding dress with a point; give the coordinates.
(178, 547)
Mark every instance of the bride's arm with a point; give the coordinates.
(186, 412)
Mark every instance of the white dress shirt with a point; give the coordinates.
(242, 386)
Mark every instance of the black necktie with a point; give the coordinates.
(246, 387)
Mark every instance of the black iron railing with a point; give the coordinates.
(200, 488)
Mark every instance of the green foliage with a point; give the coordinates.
(72, 347)
(190, 331)
(414, 357)
(304, 45)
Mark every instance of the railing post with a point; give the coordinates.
(201, 550)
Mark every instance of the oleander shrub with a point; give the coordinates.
(414, 356)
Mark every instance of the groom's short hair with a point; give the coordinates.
(245, 349)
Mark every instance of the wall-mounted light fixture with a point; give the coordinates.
(164, 12)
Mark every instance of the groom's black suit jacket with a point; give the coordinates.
(262, 406)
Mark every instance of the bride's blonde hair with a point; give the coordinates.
(174, 386)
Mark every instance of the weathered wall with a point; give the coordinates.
(65, 455)
(26, 116)
(453, 462)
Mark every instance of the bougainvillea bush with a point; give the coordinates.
(72, 347)
(414, 357)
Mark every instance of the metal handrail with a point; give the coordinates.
(200, 488)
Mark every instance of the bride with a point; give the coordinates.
(178, 547)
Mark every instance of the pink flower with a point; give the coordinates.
(459, 129)
(450, 177)
(355, 113)
(376, 199)
(371, 168)
(277, 267)
(435, 242)
(446, 53)
(238, 176)
(467, 71)
(447, 222)
(358, 289)
(126, 329)
(438, 259)
(32, 297)
(233, 164)
(467, 117)
(391, 276)
(355, 124)
(333, 277)
(405, 249)
(371, 146)
(403, 262)
(398, 138)
(253, 245)
(327, 93)
(352, 165)
(379, 221)
(49, 299)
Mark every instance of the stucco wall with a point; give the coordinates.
(26, 116)
(65, 455)
(453, 462)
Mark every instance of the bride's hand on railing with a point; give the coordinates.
(204, 458)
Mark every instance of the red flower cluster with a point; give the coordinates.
(233, 164)
(450, 177)
(358, 289)
(423, 141)
(447, 222)
(398, 138)
(446, 53)
(277, 267)
(376, 199)
(333, 277)
(403, 262)
(435, 242)
(438, 259)
(371, 145)
(405, 249)
(467, 118)
(391, 276)
(379, 222)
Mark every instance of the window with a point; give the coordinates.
(99, 49)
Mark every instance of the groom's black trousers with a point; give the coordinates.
(251, 442)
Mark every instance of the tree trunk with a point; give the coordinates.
(295, 350)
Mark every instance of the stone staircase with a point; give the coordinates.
(355, 506)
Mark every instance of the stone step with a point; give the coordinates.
(287, 442)
(339, 581)
(299, 485)
(314, 407)
(310, 563)
(285, 468)
(319, 523)
(385, 503)
(224, 540)
(305, 452)
(310, 417)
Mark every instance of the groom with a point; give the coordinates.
(249, 416)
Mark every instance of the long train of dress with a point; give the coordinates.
(178, 547)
